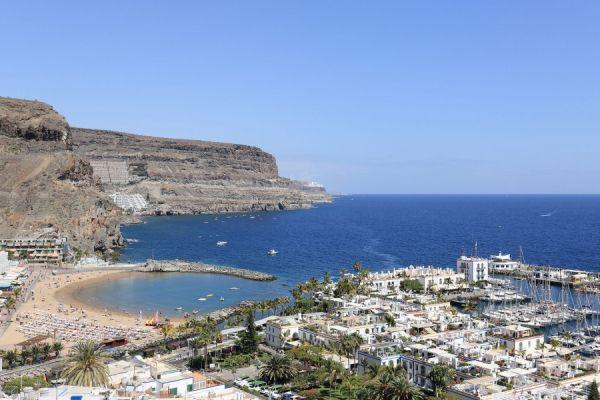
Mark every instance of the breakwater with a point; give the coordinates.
(186, 266)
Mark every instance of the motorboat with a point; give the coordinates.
(221, 243)
(210, 295)
(201, 298)
(272, 252)
(179, 308)
(234, 288)
(222, 298)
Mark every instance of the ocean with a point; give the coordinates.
(380, 231)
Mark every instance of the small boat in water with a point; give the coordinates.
(234, 288)
(222, 298)
(272, 252)
(201, 298)
(221, 243)
(194, 312)
(210, 295)
(178, 308)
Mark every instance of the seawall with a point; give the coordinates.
(186, 266)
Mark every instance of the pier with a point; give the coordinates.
(579, 280)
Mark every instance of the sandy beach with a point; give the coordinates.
(55, 304)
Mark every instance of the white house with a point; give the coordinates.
(474, 268)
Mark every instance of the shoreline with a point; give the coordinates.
(56, 296)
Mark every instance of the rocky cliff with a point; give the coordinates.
(47, 190)
(58, 179)
(191, 176)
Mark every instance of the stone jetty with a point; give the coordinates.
(186, 266)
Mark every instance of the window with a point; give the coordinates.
(190, 387)
(173, 391)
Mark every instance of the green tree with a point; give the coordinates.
(394, 386)
(594, 394)
(86, 365)
(350, 344)
(389, 319)
(278, 369)
(35, 352)
(46, 349)
(11, 357)
(326, 278)
(25, 355)
(439, 376)
(10, 304)
(166, 330)
(248, 339)
(57, 347)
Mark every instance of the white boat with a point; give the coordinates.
(272, 252)
(234, 288)
(201, 298)
(221, 243)
(178, 308)
(222, 299)
(210, 295)
(194, 312)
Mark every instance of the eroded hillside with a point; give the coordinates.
(58, 180)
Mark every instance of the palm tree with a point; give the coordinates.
(85, 365)
(166, 330)
(336, 373)
(25, 355)
(389, 319)
(46, 349)
(350, 344)
(57, 347)
(439, 376)
(326, 278)
(11, 357)
(35, 352)
(357, 266)
(278, 369)
(10, 304)
(392, 386)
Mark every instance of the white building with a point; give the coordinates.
(388, 282)
(519, 338)
(502, 262)
(474, 268)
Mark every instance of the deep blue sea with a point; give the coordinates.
(381, 231)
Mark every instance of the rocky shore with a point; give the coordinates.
(186, 266)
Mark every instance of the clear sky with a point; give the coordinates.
(365, 97)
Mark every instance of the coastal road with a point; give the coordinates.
(30, 370)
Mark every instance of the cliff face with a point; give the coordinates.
(47, 190)
(191, 176)
(32, 120)
(57, 180)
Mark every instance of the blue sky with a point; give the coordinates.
(366, 97)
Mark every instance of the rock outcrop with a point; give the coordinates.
(32, 120)
(57, 180)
